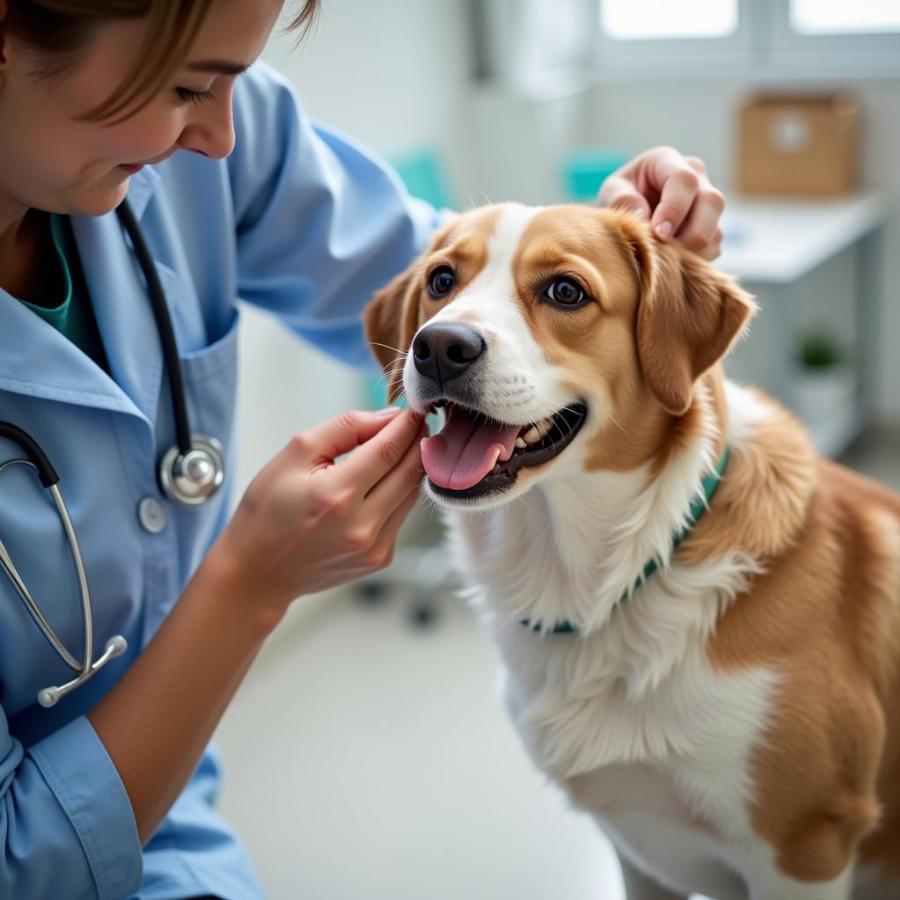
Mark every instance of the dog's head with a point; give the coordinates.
(555, 339)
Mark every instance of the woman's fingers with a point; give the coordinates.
(701, 225)
(713, 249)
(383, 551)
(673, 192)
(406, 475)
(368, 464)
(677, 183)
(321, 445)
(383, 510)
(620, 193)
(689, 206)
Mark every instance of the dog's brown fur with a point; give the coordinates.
(826, 611)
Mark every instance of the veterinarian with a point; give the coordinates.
(151, 174)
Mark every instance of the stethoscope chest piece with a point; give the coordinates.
(192, 478)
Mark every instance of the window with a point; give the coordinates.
(547, 44)
(663, 19)
(832, 38)
(759, 39)
(837, 17)
(636, 37)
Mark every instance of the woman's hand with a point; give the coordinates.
(674, 194)
(307, 522)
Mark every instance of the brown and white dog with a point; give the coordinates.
(731, 719)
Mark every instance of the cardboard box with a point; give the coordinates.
(798, 145)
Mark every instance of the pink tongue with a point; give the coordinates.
(463, 452)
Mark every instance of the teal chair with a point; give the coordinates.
(421, 568)
(423, 172)
(584, 170)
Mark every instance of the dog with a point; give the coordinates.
(698, 618)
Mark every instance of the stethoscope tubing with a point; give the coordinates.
(18, 582)
(116, 645)
(191, 472)
(193, 469)
(163, 325)
(32, 448)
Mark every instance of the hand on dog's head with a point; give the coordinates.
(688, 313)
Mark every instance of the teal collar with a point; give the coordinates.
(699, 506)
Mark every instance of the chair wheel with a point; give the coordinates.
(372, 592)
(423, 614)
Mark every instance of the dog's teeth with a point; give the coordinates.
(544, 427)
(537, 432)
(520, 443)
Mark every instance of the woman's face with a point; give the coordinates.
(51, 160)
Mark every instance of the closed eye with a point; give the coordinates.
(188, 96)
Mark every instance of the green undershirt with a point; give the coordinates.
(73, 316)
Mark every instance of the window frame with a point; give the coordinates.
(764, 48)
(624, 57)
(853, 54)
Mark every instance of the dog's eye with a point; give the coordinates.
(442, 281)
(566, 292)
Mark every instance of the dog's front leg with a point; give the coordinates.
(639, 886)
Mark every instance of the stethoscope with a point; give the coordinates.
(190, 473)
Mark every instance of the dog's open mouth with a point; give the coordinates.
(473, 455)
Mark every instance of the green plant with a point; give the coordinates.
(820, 350)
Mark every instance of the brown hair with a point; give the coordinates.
(60, 29)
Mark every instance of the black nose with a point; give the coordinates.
(443, 352)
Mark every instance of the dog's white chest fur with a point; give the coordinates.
(632, 720)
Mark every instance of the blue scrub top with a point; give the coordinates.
(299, 221)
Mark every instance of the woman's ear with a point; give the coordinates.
(391, 320)
(689, 315)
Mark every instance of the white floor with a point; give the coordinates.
(368, 760)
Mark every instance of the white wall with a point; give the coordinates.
(392, 75)
(697, 117)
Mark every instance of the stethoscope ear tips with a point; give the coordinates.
(115, 646)
(50, 696)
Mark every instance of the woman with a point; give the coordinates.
(110, 792)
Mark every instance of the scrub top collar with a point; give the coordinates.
(141, 189)
(37, 360)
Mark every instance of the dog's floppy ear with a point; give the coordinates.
(391, 319)
(689, 315)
